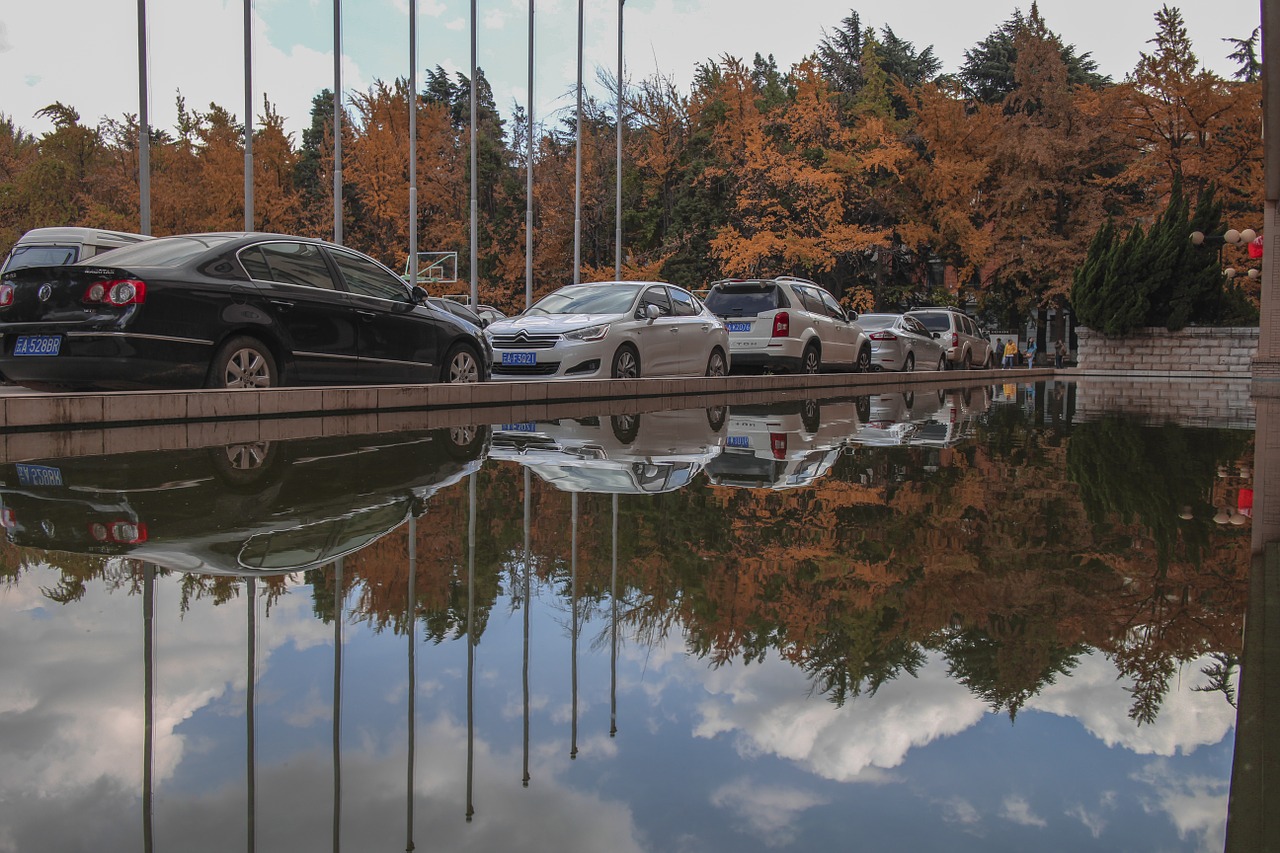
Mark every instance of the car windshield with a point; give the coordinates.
(164, 252)
(877, 321)
(39, 256)
(588, 299)
(934, 321)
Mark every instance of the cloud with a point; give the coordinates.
(769, 709)
(1017, 810)
(1196, 805)
(767, 811)
(1095, 819)
(1099, 701)
(961, 811)
(494, 19)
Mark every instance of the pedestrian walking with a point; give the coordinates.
(1031, 354)
(1059, 353)
(1010, 353)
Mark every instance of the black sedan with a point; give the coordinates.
(228, 311)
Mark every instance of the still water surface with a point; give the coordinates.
(968, 620)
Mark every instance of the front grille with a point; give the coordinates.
(522, 340)
(540, 369)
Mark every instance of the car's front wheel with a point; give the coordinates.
(626, 363)
(461, 365)
(863, 364)
(942, 362)
(243, 362)
(910, 363)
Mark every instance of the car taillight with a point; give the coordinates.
(778, 444)
(955, 339)
(121, 291)
(781, 324)
(883, 336)
(7, 518)
(6, 295)
(119, 532)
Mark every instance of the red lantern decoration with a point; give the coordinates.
(1255, 247)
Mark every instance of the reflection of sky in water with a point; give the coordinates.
(738, 758)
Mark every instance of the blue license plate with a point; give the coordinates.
(519, 358)
(526, 427)
(738, 441)
(738, 327)
(37, 345)
(39, 475)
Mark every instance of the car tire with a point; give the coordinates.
(863, 364)
(811, 415)
(863, 407)
(942, 362)
(811, 360)
(465, 443)
(245, 466)
(716, 417)
(909, 364)
(625, 427)
(716, 364)
(626, 363)
(243, 362)
(461, 365)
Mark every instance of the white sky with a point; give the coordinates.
(84, 53)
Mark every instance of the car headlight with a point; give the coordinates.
(590, 333)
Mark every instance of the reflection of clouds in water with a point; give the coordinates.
(72, 712)
(1099, 701)
(764, 810)
(961, 811)
(1094, 818)
(295, 807)
(1196, 805)
(769, 707)
(1017, 810)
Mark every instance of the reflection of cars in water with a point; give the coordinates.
(925, 417)
(644, 453)
(782, 446)
(259, 507)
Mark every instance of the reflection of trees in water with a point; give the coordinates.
(1011, 558)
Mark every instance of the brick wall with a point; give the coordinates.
(1194, 350)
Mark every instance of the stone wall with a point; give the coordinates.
(1222, 403)
(1193, 350)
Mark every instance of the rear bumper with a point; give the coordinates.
(111, 362)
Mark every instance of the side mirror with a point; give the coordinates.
(651, 311)
(417, 295)
(852, 315)
(937, 336)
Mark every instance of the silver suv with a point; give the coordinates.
(788, 323)
(966, 342)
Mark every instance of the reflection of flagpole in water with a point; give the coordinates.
(471, 644)
(412, 630)
(613, 606)
(528, 482)
(250, 723)
(573, 600)
(337, 701)
(149, 696)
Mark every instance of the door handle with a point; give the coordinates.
(366, 315)
(282, 304)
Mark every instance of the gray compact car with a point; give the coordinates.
(901, 342)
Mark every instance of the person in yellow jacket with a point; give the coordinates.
(1010, 353)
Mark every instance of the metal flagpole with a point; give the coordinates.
(573, 602)
(248, 115)
(617, 258)
(577, 179)
(251, 726)
(413, 142)
(528, 482)
(337, 122)
(412, 630)
(528, 204)
(475, 177)
(144, 126)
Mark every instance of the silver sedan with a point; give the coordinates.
(612, 329)
(900, 342)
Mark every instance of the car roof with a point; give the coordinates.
(78, 234)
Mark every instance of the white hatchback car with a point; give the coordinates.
(790, 324)
(611, 329)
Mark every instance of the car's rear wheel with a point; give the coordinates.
(626, 363)
(243, 362)
(863, 364)
(625, 427)
(716, 365)
(811, 360)
(942, 362)
(811, 415)
(461, 365)
(910, 363)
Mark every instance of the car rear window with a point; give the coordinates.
(39, 256)
(744, 300)
(934, 321)
(164, 252)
